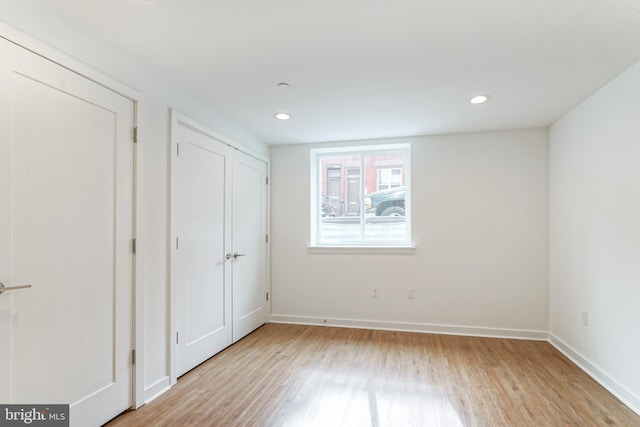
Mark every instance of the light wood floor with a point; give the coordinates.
(291, 375)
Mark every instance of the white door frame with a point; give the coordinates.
(180, 119)
(137, 328)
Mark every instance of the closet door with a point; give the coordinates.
(219, 247)
(201, 212)
(250, 299)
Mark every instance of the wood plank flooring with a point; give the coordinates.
(292, 375)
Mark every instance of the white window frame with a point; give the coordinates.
(316, 245)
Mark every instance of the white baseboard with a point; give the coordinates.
(413, 327)
(618, 390)
(156, 389)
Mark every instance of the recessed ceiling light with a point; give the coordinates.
(480, 99)
(282, 116)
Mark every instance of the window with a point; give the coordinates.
(389, 178)
(360, 196)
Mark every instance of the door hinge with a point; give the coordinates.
(177, 244)
(267, 296)
(134, 245)
(177, 341)
(267, 238)
(133, 357)
(135, 134)
(178, 149)
(267, 180)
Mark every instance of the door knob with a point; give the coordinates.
(229, 255)
(4, 288)
(236, 254)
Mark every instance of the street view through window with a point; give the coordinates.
(362, 196)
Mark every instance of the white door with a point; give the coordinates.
(201, 202)
(66, 226)
(250, 305)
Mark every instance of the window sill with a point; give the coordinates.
(394, 250)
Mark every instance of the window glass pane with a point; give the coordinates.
(362, 197)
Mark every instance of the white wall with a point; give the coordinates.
(595, 235)
(480, 210)
(41, 32)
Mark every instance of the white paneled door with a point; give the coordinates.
(201, 206)
(219, 254)
(66, 227)
(250, 305)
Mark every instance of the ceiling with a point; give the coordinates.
(364, 69)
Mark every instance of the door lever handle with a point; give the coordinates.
(234, 255)
(4, 288)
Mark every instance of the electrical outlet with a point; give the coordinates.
(411, 293)
(585, 317)
(375, 293)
